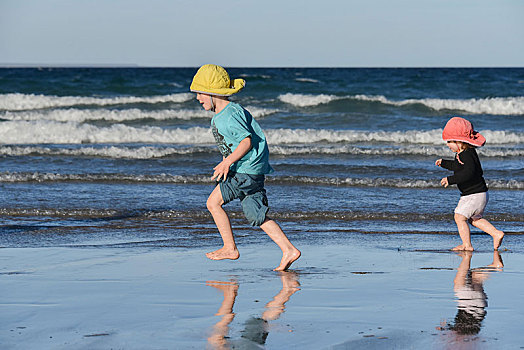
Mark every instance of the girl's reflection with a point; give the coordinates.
(471, 298)
(256, 329)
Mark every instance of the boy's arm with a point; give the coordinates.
(222, 168)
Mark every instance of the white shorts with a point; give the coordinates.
(472, 206)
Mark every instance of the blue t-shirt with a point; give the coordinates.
(232, 125)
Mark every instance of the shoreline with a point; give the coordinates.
(335, 296)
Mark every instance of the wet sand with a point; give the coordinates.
(367, 292)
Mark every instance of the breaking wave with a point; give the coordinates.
(491, 105)
(53, 132)
(131, 114)
(10, 177)
(19, 102)
(151, 152)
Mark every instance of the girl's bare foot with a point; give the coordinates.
(497, 240)
(463, 247)
(287, 259)
(223, 253)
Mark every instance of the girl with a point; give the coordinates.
(462, 139)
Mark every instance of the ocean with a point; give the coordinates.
(122, 157)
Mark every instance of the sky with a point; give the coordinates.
(263, 33)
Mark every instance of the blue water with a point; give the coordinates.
(100, 157)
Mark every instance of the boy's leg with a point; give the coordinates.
(487, 227)
(214, 205)
(289, 252)
(465, 235)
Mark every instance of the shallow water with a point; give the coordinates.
(363, 290)
(127, 153)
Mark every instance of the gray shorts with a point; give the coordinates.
(250, 190)
(472, 206)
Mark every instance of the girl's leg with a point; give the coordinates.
(289, 252)
(465, 235)
(229, 250)
(487, 227)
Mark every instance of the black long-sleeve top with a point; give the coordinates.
(467, 176)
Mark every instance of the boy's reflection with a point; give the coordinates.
(221, 328)
(471, 298)
(255, 328)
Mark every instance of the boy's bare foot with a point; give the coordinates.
(287, 259)
(497, 240)
(463, 247)
(223, 253)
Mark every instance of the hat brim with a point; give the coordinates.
(238, 84)
(479, 140)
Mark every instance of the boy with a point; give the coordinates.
(245, 162)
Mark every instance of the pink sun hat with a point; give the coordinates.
(460, 129)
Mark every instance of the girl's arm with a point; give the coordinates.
(452, 165)
(222, 168)
(465, 171)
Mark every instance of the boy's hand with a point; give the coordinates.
(444, 182)
(438, 162)
(221, 170)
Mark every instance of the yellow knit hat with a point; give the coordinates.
(214, 80)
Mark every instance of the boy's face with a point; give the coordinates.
(205, 101)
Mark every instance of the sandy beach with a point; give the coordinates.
(367, 291)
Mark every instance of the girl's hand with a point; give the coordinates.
(221, 170)
(444, 182)
(438, 162)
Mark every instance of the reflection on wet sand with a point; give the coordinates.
(256, 328)
(468, 286)
(221, 329)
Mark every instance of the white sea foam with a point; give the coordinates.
(262, 76)
(492, 105)
(57, 177)
(302, 100)
(202, 179)
(385, 150)
(62, 212)
(145, 152)
(150, 152)
(18, 102)
(81, 115)
(383, 182)
(53, 132)
(258, 112)
(307, 80)
(291, 136)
